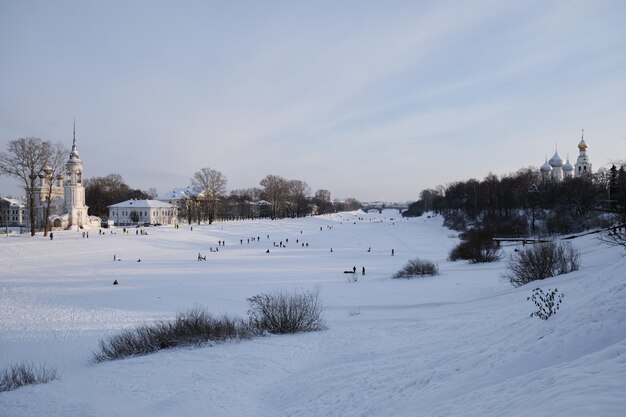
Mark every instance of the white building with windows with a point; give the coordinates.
(133, 212)
(176, 195)
(12, 212)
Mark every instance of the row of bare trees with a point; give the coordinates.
(558, 207)
(28, 159)
(277, 197)
(31, 158)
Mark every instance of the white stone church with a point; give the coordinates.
(67, 208)
(556, 169)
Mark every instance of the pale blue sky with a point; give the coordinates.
(375, 100)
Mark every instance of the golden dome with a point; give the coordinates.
(582, 145)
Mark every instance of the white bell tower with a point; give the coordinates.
(74, 188)
(583, 165)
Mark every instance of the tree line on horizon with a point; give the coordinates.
(529, 203)
(208, 199)
(30, 158)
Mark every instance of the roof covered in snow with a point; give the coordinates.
(179, 193)
(142, 204)
(13, 202)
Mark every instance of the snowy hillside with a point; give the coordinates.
(459, 344)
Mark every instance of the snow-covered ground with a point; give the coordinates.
(459, 344)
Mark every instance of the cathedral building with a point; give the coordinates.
(556, 169)
(67, 207)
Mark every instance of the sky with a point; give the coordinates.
(372, 100)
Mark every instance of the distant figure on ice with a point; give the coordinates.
(392, 252)
(354, 269)
(114, 257)
(138, 260)
(369, 249)
(267, 251)
(115, 282)
(363, 271)
(331, 250)
(51, 236)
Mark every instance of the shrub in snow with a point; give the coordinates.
(194, 327)
(417, 268)
(542, 261)
(476, 246)
(274, 313)
(547, 303)
(25, 374)
(475, 252)
(286, 313)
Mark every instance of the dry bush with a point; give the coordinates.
(417, 268)
(286, 313)
(547, 303)
(25, 374)
(476, 246)
(193, 327)
(541, 261)
(274, 313)
(475, 251)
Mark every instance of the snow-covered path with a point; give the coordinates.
(458, 344)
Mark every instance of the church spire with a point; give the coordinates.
(74, 152)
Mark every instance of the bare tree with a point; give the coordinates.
(275, 190)
(152, 193)
(299, 192)
(351, 203)
(100, 192)
(323, 202)
(25, 159)
(52, 171)
(617, 234)
(212, 184)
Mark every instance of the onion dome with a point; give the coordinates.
(546, 167)
(556, 161)
(568, 167)
(582, 145)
